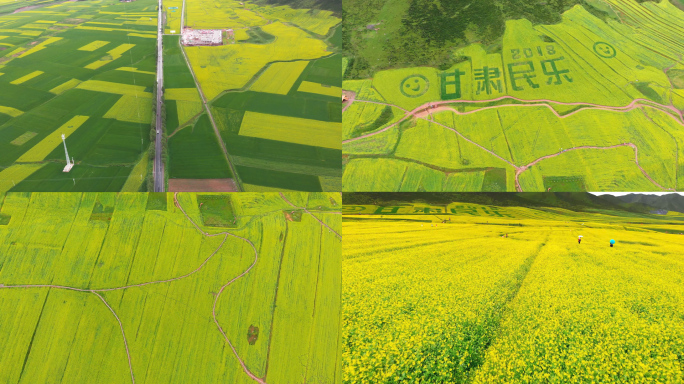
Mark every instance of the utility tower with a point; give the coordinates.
(70, 163)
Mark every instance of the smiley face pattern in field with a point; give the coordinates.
(414, 86)
(605, 50)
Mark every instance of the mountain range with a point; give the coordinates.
(576, 201)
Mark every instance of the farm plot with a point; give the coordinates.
(291, 130)
(49, 80)
(195, 153)
(227, 289)
(279, 77)
(508, 294)
(231, 67)
(271, 91)
(586, 98)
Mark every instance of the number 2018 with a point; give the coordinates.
(528, 52)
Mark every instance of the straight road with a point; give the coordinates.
(158, 165)
(236, 178)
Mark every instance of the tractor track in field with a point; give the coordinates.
(216, 298)
(426, 110)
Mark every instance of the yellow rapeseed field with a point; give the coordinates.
(292, 129)
(279, 77)
(40, 46)
(137, 176)
(307, 86)
(118, 88)
(14, 174)
(231, 66)
(58, 90)
(132, 109)
(26, 78)
(93, 45)
(52, 141)
(432, 302)
(187, 110)
(10, 111)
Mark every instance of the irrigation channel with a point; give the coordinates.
(218, 294)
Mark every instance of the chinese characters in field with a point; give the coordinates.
(528, 68)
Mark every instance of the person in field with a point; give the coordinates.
(612, 242)
(579, 240)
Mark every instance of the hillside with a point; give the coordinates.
(328, 5)
(383, 34)
(566, 200)
(670, 202)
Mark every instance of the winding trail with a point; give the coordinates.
(128, 353)
(223, 287)
(426, 110)
(520, 170)
(437, 106)
(314, 216)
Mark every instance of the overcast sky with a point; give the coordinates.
(640, 193)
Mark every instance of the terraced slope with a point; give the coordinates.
(589, 103)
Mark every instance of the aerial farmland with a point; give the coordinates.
(485, 292)
(84, 70)
(170, 288)
(562, 96)
(256, 107)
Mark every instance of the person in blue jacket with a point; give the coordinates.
(612, 242)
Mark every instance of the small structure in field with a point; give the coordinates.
(195, 37)
(70, 162)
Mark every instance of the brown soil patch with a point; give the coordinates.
(294, 215)
(202, 185)
(252, 334)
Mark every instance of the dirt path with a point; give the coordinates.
(520, 170)
(128, 353)
(314, 216)
(223, 287)
(97, 291)
(426, 111)
(439, 106)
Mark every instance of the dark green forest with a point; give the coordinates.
(383, 34)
